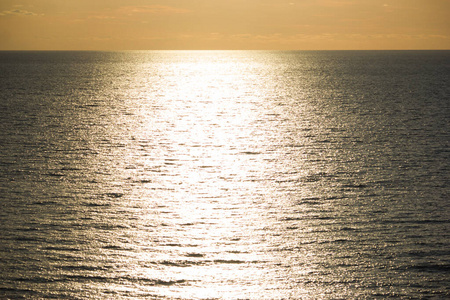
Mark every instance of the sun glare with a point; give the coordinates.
(204, 118)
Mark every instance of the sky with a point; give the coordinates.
(224, 24)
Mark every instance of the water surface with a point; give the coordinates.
(234, 175)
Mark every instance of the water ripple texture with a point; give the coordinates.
(224, 175)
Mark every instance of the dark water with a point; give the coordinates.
(228, 175)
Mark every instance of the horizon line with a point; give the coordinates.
(206, 50)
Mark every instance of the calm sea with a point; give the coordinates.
(225, 175)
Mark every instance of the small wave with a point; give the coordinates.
(195, 255)
(355, 186)
(27, 239)
(311, 199)
(54, 248)
(116, 247)
(173, 245)
(70, 169)
(336, 197)
(287, 180)
(54, 174)
(309, 217)
(166, 282)
(114, 195)
(348, 229)
(26, 229)
(81, 278)
(82, 268)
(44, 203)
(249, 152)
(93, 204)
(339, 241)
(187, 224)
(292, 219)
(326, 141)
(175, 263)
(145, 181)
(206, 167)
(108, 226)
(152, 281)
(229, 261)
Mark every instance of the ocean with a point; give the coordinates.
(225, 175)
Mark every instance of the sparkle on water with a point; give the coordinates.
(216, 197)
(233, 175)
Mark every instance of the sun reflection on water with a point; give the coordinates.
(222, 180)
(209, 191)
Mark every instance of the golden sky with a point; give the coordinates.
(224, 24)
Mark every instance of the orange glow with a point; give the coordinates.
(224, 24)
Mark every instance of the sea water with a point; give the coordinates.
(225, 175)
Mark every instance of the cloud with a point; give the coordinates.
(17, 12)
(152, 9)
(135, 11)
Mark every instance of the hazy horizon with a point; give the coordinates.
(224, 25)
(220, 50)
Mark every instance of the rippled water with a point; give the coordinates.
(235, 175)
